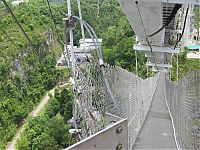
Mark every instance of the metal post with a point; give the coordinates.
(136, 63)
(80, 16)
(98, 8)
(170, 72)
(177, 70)
(198, 40)
(147, 71)
(65, 46)
(71, 39)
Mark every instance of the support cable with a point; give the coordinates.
(72, 58)
(177, 68)
(102, 67)
(59, 38)
(94, 38)
(183, 30)
(71, 40)
(147, 39)
(98, 7)
(93, 35)
(52, 17)
(173, 123)
(9, 37)
(80, 16)
(170, 72)
(136, 63)
(169, 19)
(17, 22)
(82, 27)
(65, 47)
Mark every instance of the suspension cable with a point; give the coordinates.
(52, 17)
(170, 72)
(80, 16)
(9, 37)
(183, 30)
(59, 38)
(71, 40)
(98, 7)
(93, 35)
(82, 27)
(136, 63)
(17, 22)
(177, 68)
(97, 41)
(169, 19)
(147, 39)
(73, 66)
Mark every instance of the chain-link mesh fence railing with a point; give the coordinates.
(184, 104)
(134, 96)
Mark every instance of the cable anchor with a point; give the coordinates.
(69, 22)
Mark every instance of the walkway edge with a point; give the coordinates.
(172, 120)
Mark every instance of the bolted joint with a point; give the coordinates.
(119, 147)
(79, 90)
(119, 130)
(71, 80)
(101, 63)
(69, 22)
(74, 131)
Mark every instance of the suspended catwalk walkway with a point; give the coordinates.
(157, 131)
(154, 113)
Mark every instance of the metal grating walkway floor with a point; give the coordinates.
(157, 131)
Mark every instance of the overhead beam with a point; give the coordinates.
(193, 2)
(155, 48)
(159, 65)
(160, 69)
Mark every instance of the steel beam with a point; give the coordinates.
(159, 65)
(114, 136)
(164, 70)
(155, 48)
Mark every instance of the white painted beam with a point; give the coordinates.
(160, 69)
(159, 65)
(155, 48)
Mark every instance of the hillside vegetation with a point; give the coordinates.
(26, 72)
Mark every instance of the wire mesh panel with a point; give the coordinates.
(132, 98)
(90, 104)
(184, 104)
